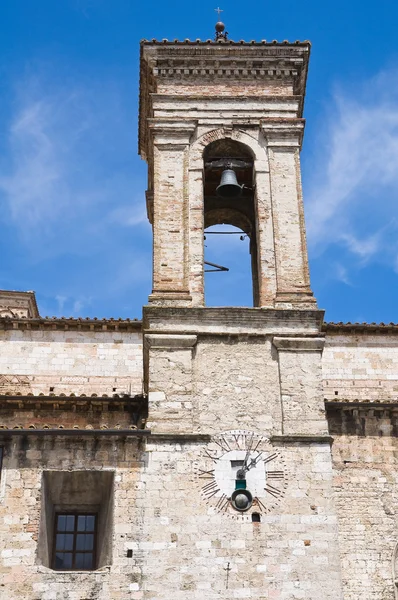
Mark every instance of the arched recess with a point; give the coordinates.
(238, 211)
(254, 145)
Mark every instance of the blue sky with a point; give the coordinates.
(72, 207)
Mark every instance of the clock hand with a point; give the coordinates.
(247, 466)
(253, 462)
(248, 452)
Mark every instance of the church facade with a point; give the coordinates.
(201, 452)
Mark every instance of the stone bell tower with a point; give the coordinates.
(212, 111)
(207, 105)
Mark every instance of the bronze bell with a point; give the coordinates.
(229, 186)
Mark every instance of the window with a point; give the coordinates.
(76, 523)
(75, 541)
(1, 459)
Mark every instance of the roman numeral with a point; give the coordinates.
(275, 475)
(222, 503)
(210, 489)
(271, 457)
(222, 442)
(257, 445)
(206, 474)
(261, 506)
(236, 438)
(213, 457)
(273, 491)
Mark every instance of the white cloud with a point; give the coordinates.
(352, 188)
(128, 216)
(340, 273)
(62, 177)
(71, 187)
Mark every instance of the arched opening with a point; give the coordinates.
(230, 223)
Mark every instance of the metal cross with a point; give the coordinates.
(227, 569)
(219, 11)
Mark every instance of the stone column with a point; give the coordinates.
(265, 236)
(292, 273)
(300, 374)
(196, 228)
(170, 214)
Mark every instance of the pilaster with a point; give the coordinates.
(284, 139)
(301, 390)
(170, 212)
(169, 381)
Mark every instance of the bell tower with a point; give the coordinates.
(239, 453)
(209, 110)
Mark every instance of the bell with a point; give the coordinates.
(229, 186)
(241, 500)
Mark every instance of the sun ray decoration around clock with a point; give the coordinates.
(240, 472)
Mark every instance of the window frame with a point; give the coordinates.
(75, 532)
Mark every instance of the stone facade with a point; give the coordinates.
(161, 428)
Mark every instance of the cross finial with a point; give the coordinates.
(221, 34)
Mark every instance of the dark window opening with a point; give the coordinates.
(76, 521)
(1, 460)
(256, 518)
(233, 216)
(75, 542)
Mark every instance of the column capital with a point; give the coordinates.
(283, 133)
(171, 132)
(299, 344)
(170, 341)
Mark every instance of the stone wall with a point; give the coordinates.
(362, 367)
(70, 362)
(22, 572)
(191, 550)
(179, 545)
(366, 492)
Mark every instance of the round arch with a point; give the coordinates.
(198, 147)
(228, 216)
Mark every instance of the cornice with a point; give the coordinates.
(357, 328)
(231, 321)
(70, 324)
(59, 432)
(212, 43)
(208, 62)
(14, 301)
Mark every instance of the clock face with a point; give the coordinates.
(241, 473)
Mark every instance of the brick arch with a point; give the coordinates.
(198, 147)
(228, 216)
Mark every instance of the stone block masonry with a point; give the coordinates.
(22, 572)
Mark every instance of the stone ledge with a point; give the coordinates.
(299, 344)
(179, 437)
(303, 439)
(232, 320)
(170, 341)
(6, 433)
